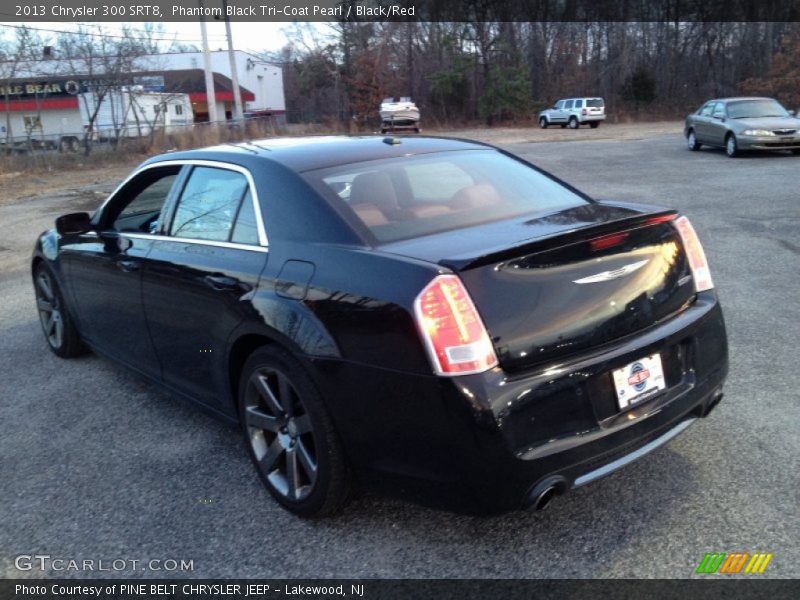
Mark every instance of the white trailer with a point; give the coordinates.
(134, 113)
(48, 129)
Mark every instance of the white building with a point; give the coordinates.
(43, 94)
(263, 79)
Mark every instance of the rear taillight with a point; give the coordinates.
(453, 332)
(695, 254)
(584, 112)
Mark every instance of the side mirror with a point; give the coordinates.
(74, 223)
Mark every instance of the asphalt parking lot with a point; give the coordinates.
(96, 464)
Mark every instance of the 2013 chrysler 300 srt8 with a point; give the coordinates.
(437, 316)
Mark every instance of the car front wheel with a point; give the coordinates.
(290, 436)
(731, 147)
(543, 123)
(573, 123)
(59, 330)
(691, 141)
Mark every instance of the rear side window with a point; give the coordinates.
(408, 197)
(578, 103)
(209, 204)
(595, 103)
(245, 230)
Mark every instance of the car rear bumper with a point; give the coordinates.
(590, 118)
(492, 442)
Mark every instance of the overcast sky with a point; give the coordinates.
(246, 36)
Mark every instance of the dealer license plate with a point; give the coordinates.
(638, 381)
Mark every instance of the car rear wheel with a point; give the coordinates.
(594, 124)
(731, 147)
(290, 436)
(543, 123)
(573, 123)
(59, 330)
(691, 141)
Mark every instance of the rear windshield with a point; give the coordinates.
(595, 102)
(402, 198)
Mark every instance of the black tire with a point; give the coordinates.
(59, 330)
(594, 124)
(543, 123)
(573, 123)
(731, 147)
(290, 436)
(563, 126)
(796, 152)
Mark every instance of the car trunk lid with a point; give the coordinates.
(587, 276)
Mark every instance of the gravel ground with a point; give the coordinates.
(97, 464)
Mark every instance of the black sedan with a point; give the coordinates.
(435, 316)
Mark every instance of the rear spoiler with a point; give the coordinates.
(565, 238)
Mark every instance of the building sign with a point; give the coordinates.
(68, 87)
(150, 83)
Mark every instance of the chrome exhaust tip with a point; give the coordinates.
(543, 493)
(543, 500)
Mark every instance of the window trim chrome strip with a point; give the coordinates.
(263, 242)
(635, 455)
(180, 240)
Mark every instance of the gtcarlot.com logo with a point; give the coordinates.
(733, 563)
(46, 562)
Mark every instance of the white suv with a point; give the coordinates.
(574, 112)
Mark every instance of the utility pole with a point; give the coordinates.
(211, 97)
(238, 109)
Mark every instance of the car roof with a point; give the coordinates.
(737, 98)
(319, 152)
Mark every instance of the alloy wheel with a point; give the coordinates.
(730, 146)
(692, 141)
(49, 305)
(280, 434)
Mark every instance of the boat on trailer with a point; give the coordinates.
(400, 114)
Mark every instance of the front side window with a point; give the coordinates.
(568, 105)
(706, 110)
(137, 207)
(560, 104)
(209, 204)
(719, 110)
(408, 197)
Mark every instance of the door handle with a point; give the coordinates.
(129, 266)
(221, 282)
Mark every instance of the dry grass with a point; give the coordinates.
(49, 173)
